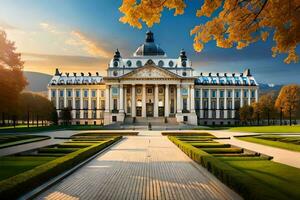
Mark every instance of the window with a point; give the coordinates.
(61, 93)
(228, 94)
(161, 63)
(128, 63)
(77, 104)
(85, 104)
(69, 92)
(149, 91)
(70, 103)
(171, 63)
(77, 114)
(114, 91)
(245, 93)
(94, 115)
(184, 101)
(94, 104)
(139, 63)
(102, 104)
(77, 93)
(93, 93)
(115, 73)
(183, 63)
(252, 94)
(116, 64)
(102, 93)
(53, 93)
(205, 94)
(197, 104)
(183, 73)
(221, 93)
(197, 94)
(184, 91)
(85, 114)
(237, 94)
(115, 104)
(214, 94)
(85, 93)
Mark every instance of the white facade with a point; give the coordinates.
(151, 85)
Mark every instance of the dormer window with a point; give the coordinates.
(115, 73)
(183, 73)
(171, 63)
(139, 63)
(128, 63)
(183, 63)
(161, 63)
(116, 64)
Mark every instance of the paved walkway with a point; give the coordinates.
(291, 158)
(147, 166)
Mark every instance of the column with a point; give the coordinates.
(233, 104)
(249, 97)
(188, 105)
(218, 104)
(192, 98)
(89, 103)
(81, 103)
(133, 107)
(98, 104)
(179, 109)
(242, 98)
(201, 103)
(209, 104)
(121, 99)
(57, 99)
(107, 95)
(65, 98)
(156, 101)
(73, 104)
(111, 104)
(225, 104)
(167, 103)
(144, 100)
(49, 94)
(125, 99)
(256, 95)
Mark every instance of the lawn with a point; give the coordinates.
(284, 142)
(12, 140)
(267, 129)
(25, 171)
(248, 173)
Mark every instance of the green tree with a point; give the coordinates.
(66, 116)
(246, 114)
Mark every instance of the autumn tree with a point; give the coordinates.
(246, 113)
(256, 111)
(232, 23)
(267, 106)
(12, 80)
(288, 101)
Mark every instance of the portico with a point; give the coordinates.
(149, 91)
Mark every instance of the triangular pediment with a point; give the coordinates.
(149, 72)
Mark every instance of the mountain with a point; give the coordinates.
(267, 87)
(37, 82)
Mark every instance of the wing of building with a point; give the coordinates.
(150, 85)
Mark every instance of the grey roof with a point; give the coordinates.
(76, 80)
(226, 80)
(149, 48)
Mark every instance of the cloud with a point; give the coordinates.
(46, 63)
(50, 28)
(6, 26)
(91, 47)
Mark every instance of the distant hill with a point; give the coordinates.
(37, 82)
(264, 88)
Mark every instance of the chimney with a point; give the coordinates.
(90, 74)
(74, 74)
(97, 74)
(82, 74)
(67, 74)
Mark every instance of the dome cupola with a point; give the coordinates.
(149, 48)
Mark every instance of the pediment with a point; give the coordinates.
(150, 72)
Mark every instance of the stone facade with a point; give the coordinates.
(151, 85)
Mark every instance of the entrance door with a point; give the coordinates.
(149, 109)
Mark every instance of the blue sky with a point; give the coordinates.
(77, 35)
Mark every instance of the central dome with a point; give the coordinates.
(149, 48)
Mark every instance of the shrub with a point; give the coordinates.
(15, 186)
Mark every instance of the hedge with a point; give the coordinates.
(17, 185)
(247, 186)
(184, 134)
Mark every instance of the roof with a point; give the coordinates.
(75, 80)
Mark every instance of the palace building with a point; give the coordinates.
(151, 86)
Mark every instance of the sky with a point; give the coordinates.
(77, 35)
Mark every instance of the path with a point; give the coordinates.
(147, 166)
(291, 158)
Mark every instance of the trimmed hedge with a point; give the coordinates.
(222, 150)
(106, 133)
(184, 134)
(209, 145)
(247, 186)
(17, 185)
(13, 140)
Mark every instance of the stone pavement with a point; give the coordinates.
(147, 166)
(283, 156)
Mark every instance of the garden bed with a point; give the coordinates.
(13, 140)
(24, 172)
(250, 174)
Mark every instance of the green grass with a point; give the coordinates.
(267, 129)
(13, 165)
(209, 145)
(250, 175)
(278, 144)
(12, 140)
